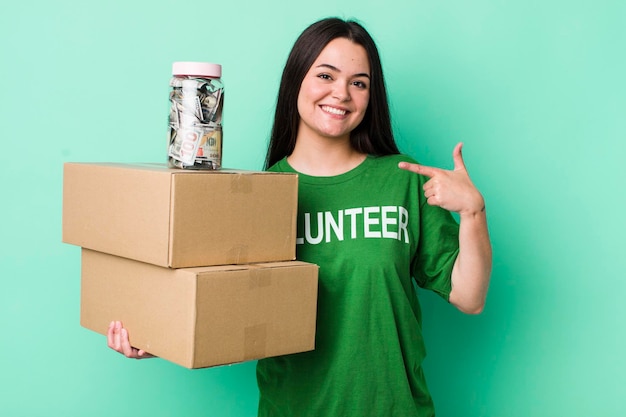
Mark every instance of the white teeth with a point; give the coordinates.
(333, 110)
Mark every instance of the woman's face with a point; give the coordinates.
(335, 91)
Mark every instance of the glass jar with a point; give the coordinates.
(195, 119)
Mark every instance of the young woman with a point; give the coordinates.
(375, 222)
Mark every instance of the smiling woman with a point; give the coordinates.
(371, 229)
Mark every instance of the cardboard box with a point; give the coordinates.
(180, 218)
(207, 316)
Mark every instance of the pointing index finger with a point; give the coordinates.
(418, 169)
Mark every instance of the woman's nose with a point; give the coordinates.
(341, 91)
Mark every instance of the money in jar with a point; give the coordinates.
(195, 119)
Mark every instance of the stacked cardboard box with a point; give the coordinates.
(198, 265)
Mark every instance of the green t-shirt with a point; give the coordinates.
(370, 230)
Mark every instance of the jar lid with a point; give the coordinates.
(200, 69)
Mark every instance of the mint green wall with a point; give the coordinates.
(535, 89)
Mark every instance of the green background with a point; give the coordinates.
(535, 89)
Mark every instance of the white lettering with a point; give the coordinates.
(330, 222)
(353, 212)
(403, 221)
(387, 221)
(307, 228)
(368, 221)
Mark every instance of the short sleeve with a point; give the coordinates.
(437, 249)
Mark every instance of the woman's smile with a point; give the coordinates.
(334, 110)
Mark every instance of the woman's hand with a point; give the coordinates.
(450, 189)
(454, 191)
(118, 340)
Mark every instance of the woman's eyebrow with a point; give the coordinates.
(334, 68)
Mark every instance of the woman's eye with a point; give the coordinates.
(325, 76)
(360, 84)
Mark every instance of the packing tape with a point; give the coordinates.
(241, 183)
(255, 338)
(238, 254)
(260, 277)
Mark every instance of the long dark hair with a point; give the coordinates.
(373, 135)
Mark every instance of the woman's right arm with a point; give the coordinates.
(118, 340)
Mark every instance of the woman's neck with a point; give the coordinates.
(324, 158)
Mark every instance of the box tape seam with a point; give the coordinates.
(255, 341)
(259, 277)
(240, 183)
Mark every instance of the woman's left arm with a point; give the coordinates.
(454, 191)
